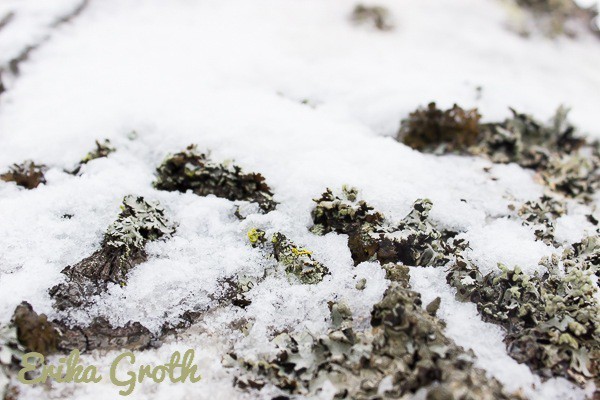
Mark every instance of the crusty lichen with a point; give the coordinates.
(404, 352)
(296, 260)
(27, 174)
(192, 170)
(140, 221)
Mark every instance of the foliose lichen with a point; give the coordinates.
(552, 319)
(297, 261)
(103, 149)
(192, 170)
(122, 249)
(541, 214)
(405, 351)
(27, 174)
(412, 241)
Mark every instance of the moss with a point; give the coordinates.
(191, 170)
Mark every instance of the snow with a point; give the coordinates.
(231, 76)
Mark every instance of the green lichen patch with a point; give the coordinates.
(412, 241)
(552, 320)
(103, 149)
(542, 214)
(405, 351)
(376, 16)
(122, 249)
(192, 170)
(440, 131)
(27, 174)
(296, 260)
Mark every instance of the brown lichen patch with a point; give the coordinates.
(122, 249)
(34, 331)
(561, 17)
(541, 214)
(376, 16)
(440, 131)
(192, 170)
(405, 351)
(27, 174)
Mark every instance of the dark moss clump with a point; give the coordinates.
(552, 320)
(405, 351)
(376, 16)
(412, 241)
(434, 130)
(140, 221)
(191, 170)
(297, 261)
(34, 331)
(27, 174)
(103, 149)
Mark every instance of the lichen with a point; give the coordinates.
(552, 320)
(433, 130)
(103, 149)
(27, 174)
(296, 260)
(405, 351)
(541, 214)
(191, 170)
(139, 222)
(376, 16)
(412, 241)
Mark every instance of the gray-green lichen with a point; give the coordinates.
(27, 174)
(412, 241)
(192, 170)
(541, 214)
(140, 221)
(566, 162)
(103, 149)
(296, 260)
(404, 352)
(552, 319)
(11, 352)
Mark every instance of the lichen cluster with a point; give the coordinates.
(140, 221)
(404, 352)
(192, 170)
(552, 319)
(554, 17)
(412, 241)
(566, 163)
(27, 174)
(376, 16)
(541, 214)
(296, 260)
(103, 149)
(440, 131)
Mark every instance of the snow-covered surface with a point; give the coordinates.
(231, 76)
